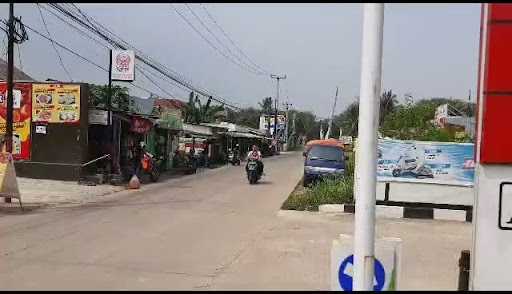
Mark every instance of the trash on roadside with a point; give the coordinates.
(134, 183)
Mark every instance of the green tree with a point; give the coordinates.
(120, 97)
(348, 120)
(266, 105)
(196, 112)
(388, 103)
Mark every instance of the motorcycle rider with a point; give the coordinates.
(255, 154)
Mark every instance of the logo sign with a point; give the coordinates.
(123, 65)
(386, 265)
(345, 274)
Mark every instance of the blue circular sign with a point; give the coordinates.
(345, 277)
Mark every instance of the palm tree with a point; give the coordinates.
(388, 103)
(266, 105)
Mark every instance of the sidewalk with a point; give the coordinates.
(38, 193)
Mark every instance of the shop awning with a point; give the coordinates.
(197, 130)
(243, 135)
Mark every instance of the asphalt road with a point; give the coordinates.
(182, 234)
(208, 231)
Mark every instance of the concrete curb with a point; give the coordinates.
(400, 212)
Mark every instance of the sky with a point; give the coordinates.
(430, 50)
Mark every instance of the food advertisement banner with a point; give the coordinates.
(22, 111)
(56, 103)
(426, 162)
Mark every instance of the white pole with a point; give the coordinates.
(366, 174)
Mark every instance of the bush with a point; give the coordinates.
(328, 191)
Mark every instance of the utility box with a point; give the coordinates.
(491, 256)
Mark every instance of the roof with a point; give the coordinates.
(327, 142)
(18, 74)
(169, 103)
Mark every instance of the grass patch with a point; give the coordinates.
(328, 191)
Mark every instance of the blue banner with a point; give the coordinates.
(426, 162)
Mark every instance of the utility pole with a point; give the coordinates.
(10, 83)
(287, 106)
(328, 134)
(366, 169)
(278, 78)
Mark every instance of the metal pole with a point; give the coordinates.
(275, 113)
(110, 121)
(365, 189)
(276, 102)
(10, 84)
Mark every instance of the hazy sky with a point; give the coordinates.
(429, 49)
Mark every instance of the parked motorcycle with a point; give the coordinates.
(150, 166)
(233, 158)
(253, 174)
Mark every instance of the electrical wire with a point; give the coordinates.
(231, 40)
(80, 56)
(140, 69)
(190, 24)
(241, 62)
(53, 45)
(154, 65)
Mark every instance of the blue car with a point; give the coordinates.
(323, 161)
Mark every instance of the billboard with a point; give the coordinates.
(266, 119)
(123, 65)
(55, 103)
(22, 114)
(426, 162)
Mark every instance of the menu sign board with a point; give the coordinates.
(55, 103)
(21, 119)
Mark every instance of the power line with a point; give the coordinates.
(147, 60)
(153, 82)
(206, 39)
(78, 55)
(53, 45)
(249, 67)
(231, 40)
(140, 69)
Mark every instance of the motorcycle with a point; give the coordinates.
(253, 174)
(233, 158)
(150, 166)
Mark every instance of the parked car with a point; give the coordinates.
(323, 159)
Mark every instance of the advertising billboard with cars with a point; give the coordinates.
(426, 162)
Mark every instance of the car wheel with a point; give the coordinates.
(396, 173)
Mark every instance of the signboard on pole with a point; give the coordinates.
(387, 264)
(56, 103)
(123, 65)
(22, 115)
(426, 162)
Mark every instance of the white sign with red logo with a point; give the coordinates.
(123, 65)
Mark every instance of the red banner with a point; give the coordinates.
(141, 125)
(22, 117)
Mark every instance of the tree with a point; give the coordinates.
(388, 103)
(348, 120)
(266, 105)
(196, 112)
(120, 97)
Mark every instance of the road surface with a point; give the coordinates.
(181, 235)
(208, 231)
